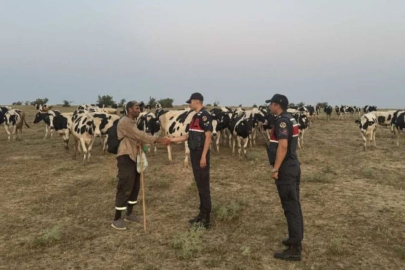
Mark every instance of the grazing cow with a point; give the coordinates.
(47, 117)
(62, 124)
(84, 132)
(328, 110)
(14, 119)
(398, 124)
(303, 123)
(176, 123)
(102, 123)
(384, 118)
(368, 127)
(368, 109)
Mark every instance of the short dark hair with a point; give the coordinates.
(130, 104)
(283, 106)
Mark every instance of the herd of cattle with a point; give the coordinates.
(231, 126)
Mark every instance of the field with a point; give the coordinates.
(56, 213)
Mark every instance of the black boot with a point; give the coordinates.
(292, 253)
(196, 219)
(286, 242)
(205, 221)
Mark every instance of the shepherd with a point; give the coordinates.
(128, 176)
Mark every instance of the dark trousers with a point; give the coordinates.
(290, 200)
(202, 179)
(128, 183)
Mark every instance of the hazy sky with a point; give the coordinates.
(342, 52)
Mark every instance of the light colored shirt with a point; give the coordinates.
(131, 137)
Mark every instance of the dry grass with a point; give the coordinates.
(56, 213)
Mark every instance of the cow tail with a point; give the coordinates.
(26, 123)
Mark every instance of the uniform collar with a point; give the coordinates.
(200, 111)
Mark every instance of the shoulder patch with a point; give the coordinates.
(283, 125)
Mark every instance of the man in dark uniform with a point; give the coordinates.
(282, 153)
(199, 140)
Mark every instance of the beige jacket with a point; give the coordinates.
(131, 137)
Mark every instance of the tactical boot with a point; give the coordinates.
(196, 219)
(206, 221)
(292, 253)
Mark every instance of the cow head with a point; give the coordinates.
(214, 128)
(10, 118)
(99, 122)
(365, 123)
(152, 125)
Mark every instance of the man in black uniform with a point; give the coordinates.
(199, 140)
(282, 153)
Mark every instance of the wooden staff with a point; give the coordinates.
(143, 189)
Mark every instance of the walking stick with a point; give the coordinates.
(143, 189)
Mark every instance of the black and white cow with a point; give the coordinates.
(258, 118)
(62, 124)
(342, 111)
(102, 123)
(328, 110)
(47, 117)
(89, 107)
(350, 110)
(13, 122)
(149, 123)
(83, 131)
(318, 109)
(3, 111)
(368, 128)
(240, 128)
(398, 124)
(303, 124)
(43, 107)
(221, 119)
(368, 109)
(384, 118)
(175, 123)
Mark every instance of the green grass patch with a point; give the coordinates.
(188, 244)
(229, 211)
(319, 178)
(49, 237)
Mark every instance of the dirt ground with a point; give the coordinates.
(56, 213)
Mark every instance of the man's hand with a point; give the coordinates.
(203, 162)
(164, 141)
(274, 175)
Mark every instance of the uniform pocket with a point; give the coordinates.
(289, 170)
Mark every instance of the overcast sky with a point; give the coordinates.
(343, 52)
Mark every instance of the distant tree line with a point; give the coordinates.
(104, 101)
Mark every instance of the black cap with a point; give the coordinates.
(279, 99)
(196, 96)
